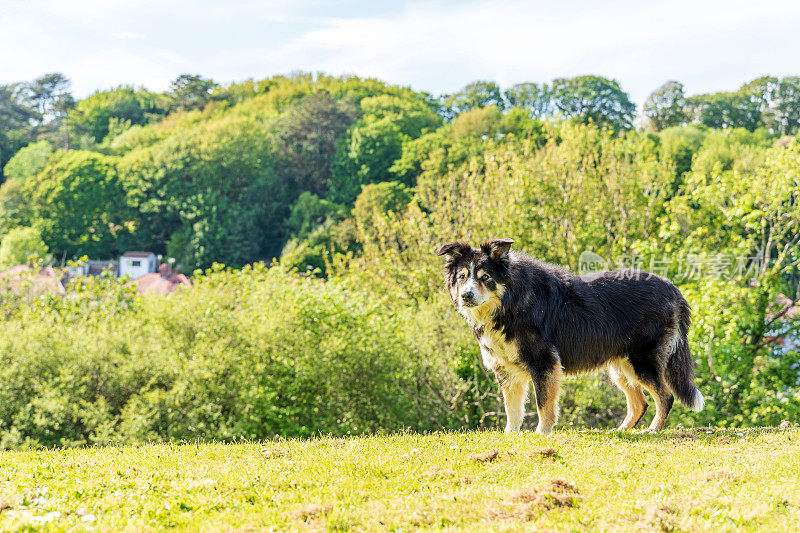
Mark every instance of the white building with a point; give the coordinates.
(79, 269)
(135, 264)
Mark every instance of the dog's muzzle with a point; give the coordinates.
(468, 299)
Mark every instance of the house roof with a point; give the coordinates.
(37, 280)
(157, 283)
(138, 254)
(782, 302)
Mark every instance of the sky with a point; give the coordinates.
(436, 46)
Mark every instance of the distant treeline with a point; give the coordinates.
(249, 171)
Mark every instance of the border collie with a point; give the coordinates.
(536, 321)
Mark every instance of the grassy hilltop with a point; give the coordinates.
(702, 479)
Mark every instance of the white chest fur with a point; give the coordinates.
(501, 356)
(498, 354)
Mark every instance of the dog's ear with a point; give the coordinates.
(453, 252)
(497, 249)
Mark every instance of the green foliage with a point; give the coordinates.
(310, 211)
(16, 116)
(190, 91)
(533, 97)
(593, 98)
(306, 137)
(475, 95)
(320, 228)
(313, 251)
(372, 145)
(249, 353)
(679, 144)
(210, 190)
(665, 107)
(28, 161)
(44, 92)
(378, 199)
(759, 103)
(94, 113)
(14, 206)
(733, 148)
(20, 245)
(787, 104)
(78, 203)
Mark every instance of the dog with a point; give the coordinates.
(538, 322)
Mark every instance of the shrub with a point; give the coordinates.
(20, 245)
(252, 353)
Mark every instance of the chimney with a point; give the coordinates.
(165, 270)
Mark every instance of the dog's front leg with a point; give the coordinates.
(515, 394)
(546, 373)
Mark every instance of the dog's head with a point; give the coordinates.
(476, 278)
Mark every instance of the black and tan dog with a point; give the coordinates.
(538, 321)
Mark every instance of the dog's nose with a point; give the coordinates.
(467, 297)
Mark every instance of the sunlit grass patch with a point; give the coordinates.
(701, 479)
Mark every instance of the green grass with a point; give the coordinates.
(680, 480)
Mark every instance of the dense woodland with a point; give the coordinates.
(326, 198)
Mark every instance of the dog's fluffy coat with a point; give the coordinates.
(536, 321)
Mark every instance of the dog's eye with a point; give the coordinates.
(485, 278)
(462, 276)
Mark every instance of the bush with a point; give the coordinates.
(252, 353)
(21, 245)
(379, 198)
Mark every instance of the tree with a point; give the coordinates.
(664, 107)
(92, 114)
(190, 91)
(15, 111)
(78, 203)
(755, 106)
(375, 142)
(16, 121)
(28, 161)
(46, 90)
(593, 98)
(316, 227)
(712, 110)
(310, 211)
(787, 104)
(534, 97)
(679, 144)
(20, 245)
(476, 94)
(61, 109)
(305, 140)
(207, 192)
(380, 198)
(412, 115)
(741, 109)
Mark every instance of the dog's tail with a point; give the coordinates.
(680, 366)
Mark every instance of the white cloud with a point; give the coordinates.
(709, 45)
(126, 35)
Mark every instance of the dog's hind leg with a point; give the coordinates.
(622, 375)
(651, 377)
(664, 401)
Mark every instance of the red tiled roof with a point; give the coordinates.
(781, 302)
(158, 284)
(38, 281)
